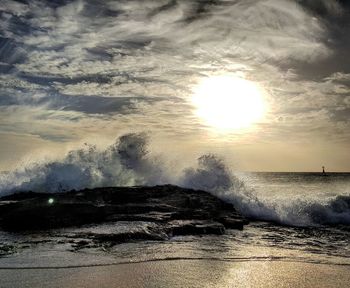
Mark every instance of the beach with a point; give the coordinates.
(183, 273)
(262, 254)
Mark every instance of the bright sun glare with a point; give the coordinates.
(228, 103)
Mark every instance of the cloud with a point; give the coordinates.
(77, 69)
(138, 36)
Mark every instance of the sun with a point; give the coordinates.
(228, 103)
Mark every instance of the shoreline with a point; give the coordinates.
(185, 273)
(235, 260)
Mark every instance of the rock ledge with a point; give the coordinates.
(172, 210)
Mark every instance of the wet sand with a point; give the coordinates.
(183, 273)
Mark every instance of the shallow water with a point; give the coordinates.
(260, 241)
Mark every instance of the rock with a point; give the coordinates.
(81, 244)
(145, 234)
(195, 227)
(233, 223)
(6, 249)
(173, 210)
(152, 216)
(38, 214)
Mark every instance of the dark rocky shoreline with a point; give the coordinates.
(169, 210)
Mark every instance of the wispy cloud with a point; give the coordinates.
(73, 69)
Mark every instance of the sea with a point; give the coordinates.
(294, 217)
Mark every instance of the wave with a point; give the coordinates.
(170, 259)
(212, 175)
(124, 163)
(127, 162)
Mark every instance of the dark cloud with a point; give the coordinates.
(10, 54)
(95, 105)
(78, 103)
(341, 115)
(335, 16)
(50, 80)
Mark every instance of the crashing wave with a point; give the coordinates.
(127, 162)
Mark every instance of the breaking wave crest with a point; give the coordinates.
(127, 162)
(124, 163)
(212, 175)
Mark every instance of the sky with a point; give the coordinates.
(75, 72)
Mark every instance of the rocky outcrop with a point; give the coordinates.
(172, 210)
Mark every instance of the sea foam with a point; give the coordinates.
(127, 162)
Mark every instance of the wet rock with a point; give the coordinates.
(173, 210)
(6, 249)
(81, 244)
(195, 227)
(233, 222)
(152, 216)
(38, 214)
